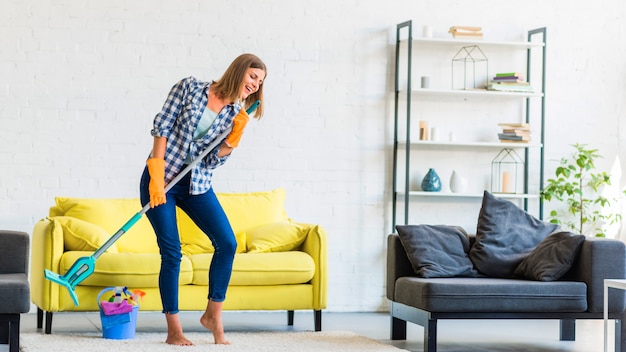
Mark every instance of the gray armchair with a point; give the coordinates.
(14, 287)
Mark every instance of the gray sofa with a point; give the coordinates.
(514, 267)
(578, 295)
(14, 287)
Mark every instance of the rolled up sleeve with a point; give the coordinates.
(165, 119)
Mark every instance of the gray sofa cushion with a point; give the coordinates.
(15, 291)
(504, 236)
(491, 295)
(552, 258)
(437, 250)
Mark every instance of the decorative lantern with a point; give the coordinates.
(506, 172)
(468, 57)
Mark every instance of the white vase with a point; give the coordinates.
(458, 184)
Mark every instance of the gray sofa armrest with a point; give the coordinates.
(398, 264)
(599, 259)
(14, 250)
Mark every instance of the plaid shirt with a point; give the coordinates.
(177, 122)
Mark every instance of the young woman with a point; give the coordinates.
(194, 115)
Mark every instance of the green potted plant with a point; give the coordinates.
(578, 184)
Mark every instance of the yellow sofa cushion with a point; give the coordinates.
(244, 211)
(194, 241)
(260, 269)
(248, 210)
(125, 269)
(80, 235)
(111, 215)
(279, 236)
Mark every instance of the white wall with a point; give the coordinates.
(80, 82)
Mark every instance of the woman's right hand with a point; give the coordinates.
(156, 188)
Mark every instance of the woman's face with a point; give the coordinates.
(252, 81)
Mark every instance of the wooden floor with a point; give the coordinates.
(458, 336)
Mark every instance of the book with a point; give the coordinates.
(465, 28)
(509, 74)
(516, 131)
(515, 125)
(509, 137)
(466, 31)
(511, 83)
(514, 136)
(467, 35)
(510, 88)
(517, 79)
(513, 141)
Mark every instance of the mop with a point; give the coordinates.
(84, 266)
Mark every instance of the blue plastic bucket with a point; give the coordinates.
(118, 326)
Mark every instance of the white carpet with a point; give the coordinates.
(329, 341)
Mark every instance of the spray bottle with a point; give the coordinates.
(117, 294)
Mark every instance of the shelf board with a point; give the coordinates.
(475, 144)
(470, 195)
(473, 92)
(457, 42)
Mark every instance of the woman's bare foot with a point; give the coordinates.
(178, 339)
(212, 320)
(175, 334)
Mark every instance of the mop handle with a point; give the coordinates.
(190, 166)
(182, 174)
(206, 152)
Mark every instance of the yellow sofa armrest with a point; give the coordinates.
(316, 246)
(46, 251)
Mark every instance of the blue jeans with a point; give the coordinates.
(207, 213)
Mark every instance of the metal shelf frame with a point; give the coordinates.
(406, 143)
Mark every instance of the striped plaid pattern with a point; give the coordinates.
(177, 122)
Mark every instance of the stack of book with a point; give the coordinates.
(466, 32)
(510, 82)
(514, 132)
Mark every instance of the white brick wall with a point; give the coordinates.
(80, 82)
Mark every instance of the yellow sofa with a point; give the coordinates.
(280, 264)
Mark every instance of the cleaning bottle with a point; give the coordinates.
(117, 294)
(136, 297)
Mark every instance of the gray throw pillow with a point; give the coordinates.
(552, 258)
(504, 236)
(437, 250)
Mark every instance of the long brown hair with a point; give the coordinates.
(229, 86)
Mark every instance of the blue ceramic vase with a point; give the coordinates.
(431, 182)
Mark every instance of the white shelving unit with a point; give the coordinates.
(408, 95)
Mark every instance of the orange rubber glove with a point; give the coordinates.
(156, 169)
(239, 123)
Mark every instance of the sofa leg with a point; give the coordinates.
(290, 317)
(398, 329)
(317, 317)
(430, 336)
(39, 318)
(567, 330)
(48, 323)
(4, 332)
(10, 330)
(14, 334)
(5, 327)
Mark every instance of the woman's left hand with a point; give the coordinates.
(239, 124)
